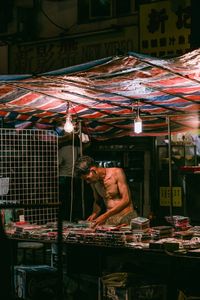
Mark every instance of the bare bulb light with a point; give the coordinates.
(68, 127)
(138, 125)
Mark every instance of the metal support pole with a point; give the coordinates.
(82, 182)
(170, 168)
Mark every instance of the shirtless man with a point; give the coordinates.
(110, 186)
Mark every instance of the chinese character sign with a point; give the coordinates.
(165, 28)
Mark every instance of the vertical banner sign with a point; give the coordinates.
(165, 28)
(176, 196)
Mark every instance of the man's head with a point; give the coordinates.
(86, 168)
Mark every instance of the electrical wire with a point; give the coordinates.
(50, 20)
(82, 182)
(72, 178)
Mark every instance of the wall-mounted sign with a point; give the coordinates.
(165, 197)
(165, 28)
(42, 56)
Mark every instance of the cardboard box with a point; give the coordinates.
(33, 281)
(116, 293)
(149, 292)
(143, 292)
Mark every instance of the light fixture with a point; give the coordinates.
(68, 127)
(138, 123)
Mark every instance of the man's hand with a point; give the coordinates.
(99, 221)
(92, 217)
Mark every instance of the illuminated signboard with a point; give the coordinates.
(165, 28)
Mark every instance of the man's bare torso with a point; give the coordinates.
(108, 189)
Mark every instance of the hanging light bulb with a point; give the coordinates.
(138, 125)
(138, 122)
(68, 127)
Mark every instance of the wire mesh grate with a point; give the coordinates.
(29, 173)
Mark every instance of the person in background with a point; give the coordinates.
(109, 186)
(69, 151)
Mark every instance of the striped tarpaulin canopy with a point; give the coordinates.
(106, 95)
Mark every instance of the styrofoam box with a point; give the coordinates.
(31, 280)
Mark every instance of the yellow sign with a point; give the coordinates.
(165, 28)
(176, 196)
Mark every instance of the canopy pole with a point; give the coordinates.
(82, 182)
(170, 167)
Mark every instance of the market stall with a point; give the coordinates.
(102, 99)
(105, 98)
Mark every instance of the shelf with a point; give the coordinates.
(181, 155)
(190, 169)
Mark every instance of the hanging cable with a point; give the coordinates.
(72, 178)
(50, 20)
(82, 182)
(170, 167)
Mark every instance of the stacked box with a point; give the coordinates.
(143, 292)
(149, 292)
(116, 293)
(140, 223)
(34, 281)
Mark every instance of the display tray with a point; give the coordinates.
(192, 169)
(194, 252)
